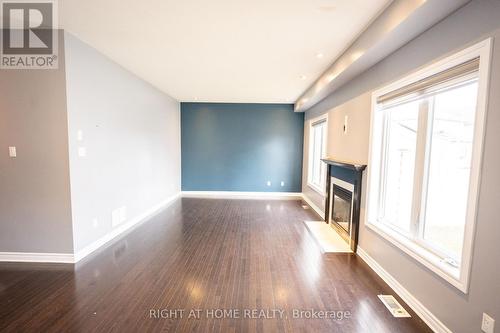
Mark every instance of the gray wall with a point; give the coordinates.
(460, 312)
(350, 146)
(35, 211)
(131, 132)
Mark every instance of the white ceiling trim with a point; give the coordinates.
(401, 21)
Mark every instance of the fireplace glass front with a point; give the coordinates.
(341, 210)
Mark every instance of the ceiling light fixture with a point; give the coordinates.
(327, 8)
(319, 55)
(303, 77)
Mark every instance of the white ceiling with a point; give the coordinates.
(262, 51)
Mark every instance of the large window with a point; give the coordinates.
(317, 150)
(426, 144)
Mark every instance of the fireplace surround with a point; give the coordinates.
(342, 205)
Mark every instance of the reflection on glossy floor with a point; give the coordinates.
(202, 254)
(327, 237)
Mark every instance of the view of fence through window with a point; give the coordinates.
(433, 134)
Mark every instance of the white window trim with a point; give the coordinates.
(457, 277)
(318, 189)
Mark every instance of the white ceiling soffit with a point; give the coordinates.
(402, 21)
(260, 51)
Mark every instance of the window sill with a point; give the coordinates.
(454, 276)
(317, 189)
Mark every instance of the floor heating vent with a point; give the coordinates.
(393, 306)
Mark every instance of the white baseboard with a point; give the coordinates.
(318, 210)
(36, 257)
(73, 258)
(87, 250)
(432, 321)
(242, 195)
(122, 228)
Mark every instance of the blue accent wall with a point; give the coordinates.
(239, 147)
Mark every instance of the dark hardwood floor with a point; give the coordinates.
(202, 254)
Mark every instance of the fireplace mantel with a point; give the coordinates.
(355, 174)
(344, 164)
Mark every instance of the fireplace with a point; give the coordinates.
(342, 205)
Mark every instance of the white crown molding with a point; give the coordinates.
(398, 24)
(427, 316)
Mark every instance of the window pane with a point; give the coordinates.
(449, 168)
(317, 153)
(401, 141)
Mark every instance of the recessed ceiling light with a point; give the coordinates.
(319, 55)
(327, 8)
(303, 77)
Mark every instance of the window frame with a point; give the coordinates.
(424, 253)
(319, 188)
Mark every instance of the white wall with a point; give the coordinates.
(459, 312)
(131, 133)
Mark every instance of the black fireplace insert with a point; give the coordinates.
(342, 208)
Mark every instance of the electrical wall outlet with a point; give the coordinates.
(123, 214)
(488, 324)
(79, 135)
(95, 223)
(118, 216)
(268, 183)
(115, 217)
(82, 151)
(282, 183)
(346, 119)
(12, 152)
